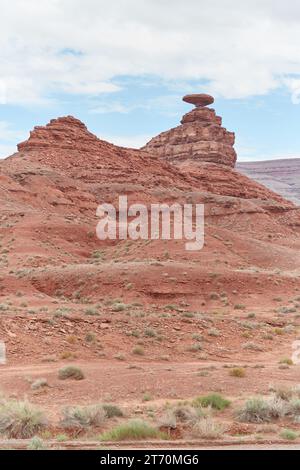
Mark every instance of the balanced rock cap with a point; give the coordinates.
(199, 100)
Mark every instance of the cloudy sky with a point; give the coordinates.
(122, 67)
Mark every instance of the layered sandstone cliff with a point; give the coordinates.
(200, 137)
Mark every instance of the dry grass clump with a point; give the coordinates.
(207, 428)
(20, 419)
(168, 420)
(188, 413)
(238, 372)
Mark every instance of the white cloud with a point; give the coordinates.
(294, 86)
(168, 105)
(134, 141)
(80, 46)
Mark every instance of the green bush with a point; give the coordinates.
(288, 435)
(136, 429)
(214, 400)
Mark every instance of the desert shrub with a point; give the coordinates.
(258, 410)
(150, 333)
(36, 443)
(294, 409)
(138, 351)
(252, 346)
(188, 413)
(281, 392)
(119, 307)
(296, 391)
(238, 372)
(62, 437)
(287, 361)
(168, 420)
(239, 307)
(214, 296)
(70, 372)
(90, 337)
(112, 411)
(39, 383)
(288, 434)
(195, 347)
(214, 332)
(98, 255)
(20, 419)
(83, 416)
(213, 400)
(133, 430)
(91, 311)
(207, 428)
(147, 397)
(67, 355)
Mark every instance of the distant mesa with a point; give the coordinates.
(199, 100)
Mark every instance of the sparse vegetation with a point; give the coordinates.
(112, 411)
(70, 372)
(207, 428)
(214, 400)
(83, 416)
(138, 351)
(36, 443)
(134, 429)
(286, 361)
(20, 419)
(259, 410)
(252, 346)
(238, 372)
(39, 383)
(289, 435)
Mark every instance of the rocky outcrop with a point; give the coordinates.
(64, 133)
(200, 137)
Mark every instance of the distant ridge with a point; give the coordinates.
(282, 176)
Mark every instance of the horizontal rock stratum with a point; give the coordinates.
(200, 137)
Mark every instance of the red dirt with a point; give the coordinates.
(53, 292)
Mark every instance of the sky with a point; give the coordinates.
(123, 66)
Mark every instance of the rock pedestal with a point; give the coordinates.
(200, 137)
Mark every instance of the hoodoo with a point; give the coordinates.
(200, 138)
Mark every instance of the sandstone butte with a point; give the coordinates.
(49, 192)
(200, 138)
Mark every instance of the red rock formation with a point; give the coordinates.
(200, 138)
(199, 100)
(65, 133)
